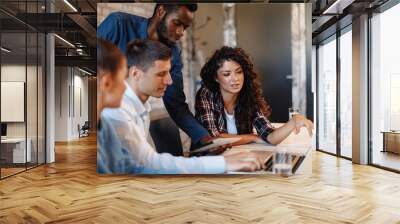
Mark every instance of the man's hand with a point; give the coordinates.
(244, 161)
(216, 150)
(219, 150)
(160, 13)
(155, 22)
(207, 139)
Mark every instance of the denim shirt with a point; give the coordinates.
(120, 28)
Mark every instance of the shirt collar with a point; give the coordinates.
(141, 109)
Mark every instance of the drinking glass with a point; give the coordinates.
(293, 111)
(282, 162)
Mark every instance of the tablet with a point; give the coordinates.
(214, 144)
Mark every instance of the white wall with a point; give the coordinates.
(71, 92)
(80, 100)
(16, 73)
(61, 103)
(33, 127)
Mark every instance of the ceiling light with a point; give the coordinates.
(337, 7)
(5, 50)
(86, 72)
(70, 5)
(65, 41)
(80, 51)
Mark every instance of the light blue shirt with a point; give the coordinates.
(130, 122)
(111, 157)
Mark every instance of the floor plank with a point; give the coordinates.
(70, 191)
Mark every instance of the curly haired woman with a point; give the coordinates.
(230, 102)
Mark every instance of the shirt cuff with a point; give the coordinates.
(213, 164)
(265, 135)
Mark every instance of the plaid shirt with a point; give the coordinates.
(210, 113)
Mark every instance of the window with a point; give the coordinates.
(327, 95)
(385, 88)
(346, 92)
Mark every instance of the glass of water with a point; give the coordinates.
(293, 111)
(282, 162)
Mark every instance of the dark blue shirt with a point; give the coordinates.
(120, 28)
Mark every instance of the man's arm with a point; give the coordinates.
(135, 142)
(175, 103)
(108, 29)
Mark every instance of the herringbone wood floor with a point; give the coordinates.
(70, 191)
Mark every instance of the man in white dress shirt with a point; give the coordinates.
(149, 65)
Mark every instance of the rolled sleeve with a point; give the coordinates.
(262, 125)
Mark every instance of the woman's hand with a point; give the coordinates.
(295, 124)
(300, 121)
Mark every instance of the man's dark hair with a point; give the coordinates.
(109, 57)
(143, 53)
(169, 8)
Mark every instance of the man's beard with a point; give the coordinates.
(161, 32)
